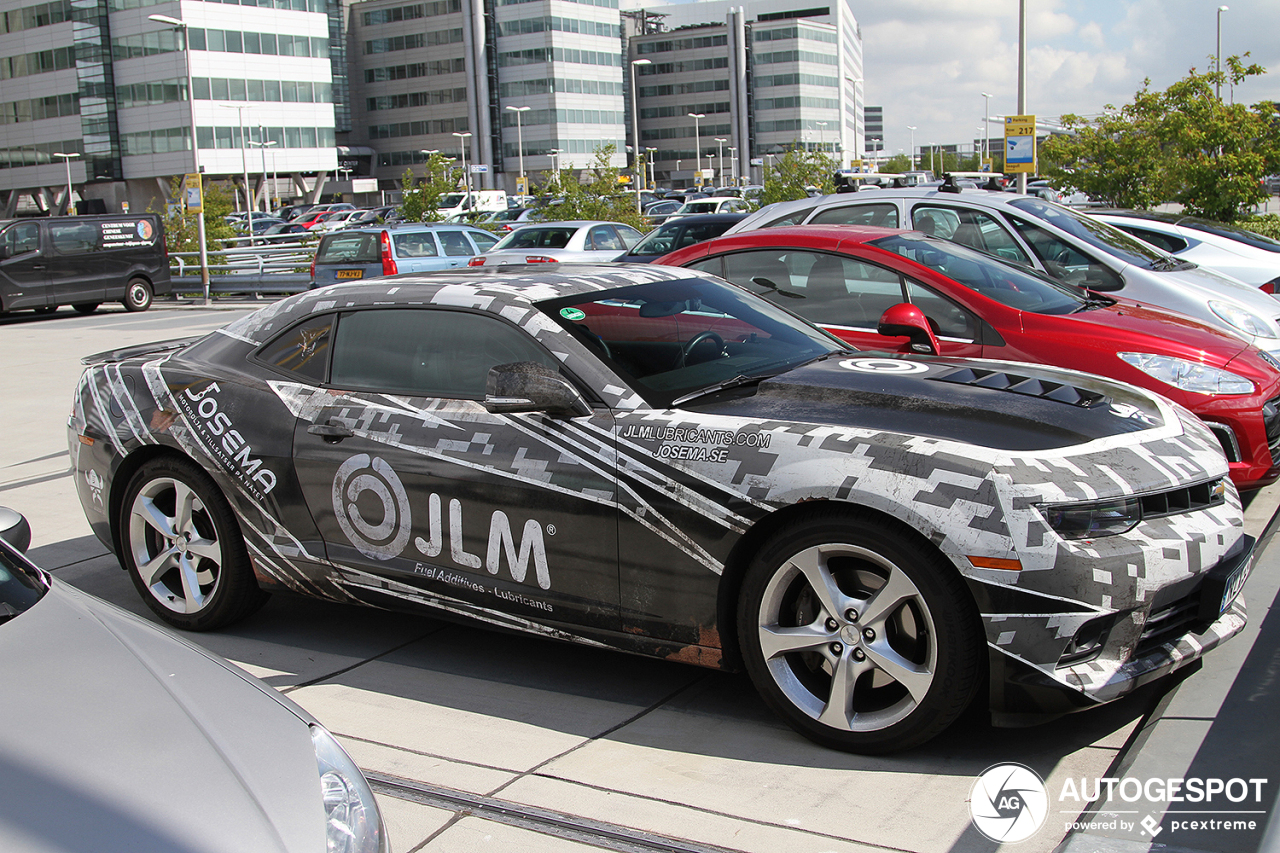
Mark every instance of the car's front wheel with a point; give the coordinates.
(183, 548)
(137, 296)
(860, 636)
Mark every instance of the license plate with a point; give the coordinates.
(350, 274)
(1223, 585)
(1234, 584)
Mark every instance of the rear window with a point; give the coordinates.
(537, 238)
(352, 248)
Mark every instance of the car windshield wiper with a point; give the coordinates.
(1093, 301)
(1170, 265)
(736, 382)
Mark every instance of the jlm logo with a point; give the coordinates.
(1008, 803)
(386, 539)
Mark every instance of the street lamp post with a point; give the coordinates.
(653, 174)
(244, 164)
(466, 179)
(912, 128)
(1217, 62)
(181, 25)
(635, 121)
(855, 81)
(262, 146)
(720, 141)
(733, 163)
(697, 146)
(986, 128)
(822, 135)
(555, 164)
(524, 187)
(66, 158)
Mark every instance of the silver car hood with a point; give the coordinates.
(118, 736)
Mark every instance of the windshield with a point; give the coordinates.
(1096, 233)
(672, 338)
(450, 200)
(1006, 283)
(659, 241)
(1232, 232)
(537, 238)
(20, 584)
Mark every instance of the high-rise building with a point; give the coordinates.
(102, 80)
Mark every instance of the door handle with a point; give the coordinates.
(330, 431)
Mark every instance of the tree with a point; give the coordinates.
(1182, 144)
(595, 194)
(791, 175)
(420, 200)
(897, 164)
(181, 231)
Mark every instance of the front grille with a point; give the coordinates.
(1168, 622)
(1187, 499)
(1031, 386)
(1271, 419)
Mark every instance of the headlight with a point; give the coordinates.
(1092, 519)
(1245, 321)
(352, 821)
(1188, 375)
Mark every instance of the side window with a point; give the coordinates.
(455, 243)
(714, 266)
(426, 352)
(824, 289)
(302, 350)
(972, 228)
(483, 240)
(421, 244)
(71, 238)
(21, 238)
(603, 237)
(1064, 262)
(883, 215)
(948, 319)
(628, 235)
(1167, 242)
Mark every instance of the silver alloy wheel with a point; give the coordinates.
(847, 636)
(175, 545)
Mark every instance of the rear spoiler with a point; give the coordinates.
(115, 355)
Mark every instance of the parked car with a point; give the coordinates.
(846, 278)
(713, 204)
(660, 211)
(1229, 249)
(308, 217)
(502, 221)
(285, 232)
(1064, 243)
(370, 216)
(678, 233)
(120, 736)
(561, 242)
(82, 261)
(654, 460)
(354, 254)
(334, 220)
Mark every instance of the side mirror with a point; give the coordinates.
(526, 386)
(906, 320)
(14, 529)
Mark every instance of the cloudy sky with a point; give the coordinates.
(929, 61)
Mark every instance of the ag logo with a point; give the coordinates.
(884, 365)
(1008, 803)
(386, 538)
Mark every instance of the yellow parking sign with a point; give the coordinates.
(1020, 144)
(194, 193)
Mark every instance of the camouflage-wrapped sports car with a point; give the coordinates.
(653, 460)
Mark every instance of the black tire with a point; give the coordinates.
(137, 295)
(899, 685)
(189, 565)
(86, 307)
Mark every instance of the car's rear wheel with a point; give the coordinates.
(137, 296)
(86, 307)
(860, 636)
(183, 548)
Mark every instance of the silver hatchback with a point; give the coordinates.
(360, 253)
(1056, 240)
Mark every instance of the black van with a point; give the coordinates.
(82, 261)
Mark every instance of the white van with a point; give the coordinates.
(481, 201)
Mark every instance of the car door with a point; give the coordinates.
(976, 229)
(418, 251)
(419, 493)
(24, 267)
(457, 248)
(846, 296)
(79, 271)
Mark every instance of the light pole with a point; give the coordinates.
(986, 128)
(1217, 62)
(66, 158)
(244, 164)
(524, 189)
(720, 141)
(263, 146)
(181, 25)
(912, 128)
(697, 146)
(635, 121)
(733, 163)
(653, 174)
(822, 135)
(855, 81)
(555, 164)
(466, 179)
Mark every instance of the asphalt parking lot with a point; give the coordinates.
(477, 740)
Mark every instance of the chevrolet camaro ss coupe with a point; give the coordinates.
(653, 460)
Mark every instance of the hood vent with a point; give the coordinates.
(1028, 385)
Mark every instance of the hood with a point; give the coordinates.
(1128, 325)
(118, 736)
(1000, 405)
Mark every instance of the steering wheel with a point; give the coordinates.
(700, 338)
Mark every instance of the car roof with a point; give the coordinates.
(810, 236)
(685, 221)
(507, 290)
